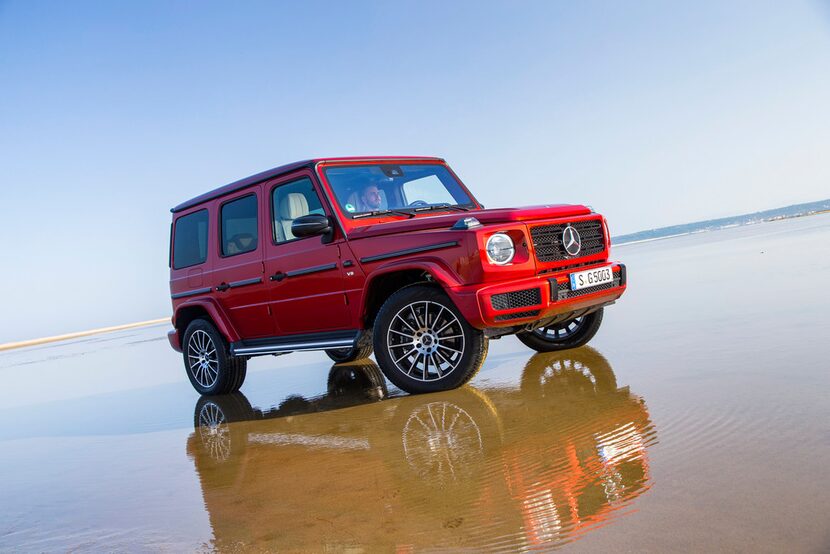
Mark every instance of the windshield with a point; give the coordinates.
(406, 189)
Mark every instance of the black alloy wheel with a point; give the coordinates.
(564, 335)
(424, 344)
(207, 361)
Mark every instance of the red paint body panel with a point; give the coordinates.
(246, 306)
(399, 224)
(332, 278)
(305, 303)
(214, 311)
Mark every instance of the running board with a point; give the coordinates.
(292, 343)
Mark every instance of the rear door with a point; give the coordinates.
(237, 277)
(191, 260)
(304, 277)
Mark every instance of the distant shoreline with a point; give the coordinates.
(68, 336)
(766, 216)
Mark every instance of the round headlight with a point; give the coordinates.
(500, 249)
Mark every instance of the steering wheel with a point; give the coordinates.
(244, 242)
(418, 204)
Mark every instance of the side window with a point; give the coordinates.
(428, 189)
(290, 201)
(190, 239)
(239, 226)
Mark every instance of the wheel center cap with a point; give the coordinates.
(425, 341)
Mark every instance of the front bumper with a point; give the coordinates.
(525, 301)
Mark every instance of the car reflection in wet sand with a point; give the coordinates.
(472, 468)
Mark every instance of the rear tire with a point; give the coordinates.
(424, 344)
(563, 336)
(360, 351)
(207, 361)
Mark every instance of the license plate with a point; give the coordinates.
(591, 277)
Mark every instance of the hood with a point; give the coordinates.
(485, 216)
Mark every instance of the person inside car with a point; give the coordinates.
(369, 199)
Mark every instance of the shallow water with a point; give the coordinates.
(699, 419)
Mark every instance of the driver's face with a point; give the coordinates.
(371, 197)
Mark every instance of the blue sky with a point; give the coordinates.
(654, 113)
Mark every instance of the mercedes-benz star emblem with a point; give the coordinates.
(571, 240)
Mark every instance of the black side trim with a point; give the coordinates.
(406, 251)
(245, 282)
(307, 270)
(190, 293)
(623, 274)
(349, 334)
(303, 337)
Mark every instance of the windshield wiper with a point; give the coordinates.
(444, 206)
(383, 212)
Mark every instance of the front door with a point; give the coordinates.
(303, 274)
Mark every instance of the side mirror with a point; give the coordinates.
(310, 225)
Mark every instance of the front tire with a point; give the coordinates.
(424, 344)
(563, 336)
(207, 361)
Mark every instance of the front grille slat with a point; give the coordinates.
(563, 290)
(547, 240)
(516, 299)
(517, 315)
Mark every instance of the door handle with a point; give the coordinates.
(223, 287)
(278, 276)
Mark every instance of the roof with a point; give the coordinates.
(242, 183)
(278, 171)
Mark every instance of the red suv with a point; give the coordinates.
(395, 255)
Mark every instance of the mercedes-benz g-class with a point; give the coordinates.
(392, 255)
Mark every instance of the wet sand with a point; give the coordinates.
(697, 420)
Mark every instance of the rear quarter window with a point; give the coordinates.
(190, 239)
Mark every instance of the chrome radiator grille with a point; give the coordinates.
(547, 240)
